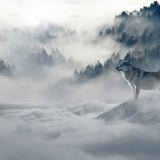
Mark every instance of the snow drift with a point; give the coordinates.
(145, 111)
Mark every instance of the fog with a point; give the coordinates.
(61, 96)
(42, 61)
(71, 131)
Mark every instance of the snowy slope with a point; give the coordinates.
(145, 110)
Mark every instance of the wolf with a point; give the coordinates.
(137, 78)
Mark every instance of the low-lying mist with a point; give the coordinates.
(62, 98)
(38, 65)
(73, 132)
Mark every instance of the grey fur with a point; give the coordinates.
(138, 79)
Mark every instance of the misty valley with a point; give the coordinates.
(62, 95)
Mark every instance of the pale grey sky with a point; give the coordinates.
(78, 13)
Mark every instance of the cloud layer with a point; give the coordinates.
(58, 132)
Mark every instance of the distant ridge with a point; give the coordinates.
(137, 27)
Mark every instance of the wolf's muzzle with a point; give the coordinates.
(117, 68)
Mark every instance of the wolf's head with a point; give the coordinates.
(124, 66)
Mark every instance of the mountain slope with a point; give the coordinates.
(145, 111)
(137, 28)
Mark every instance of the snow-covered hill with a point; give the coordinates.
(145, 110)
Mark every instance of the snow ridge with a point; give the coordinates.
(144, 111)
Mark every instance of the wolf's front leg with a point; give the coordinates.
(137, 90)
(133, 89)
